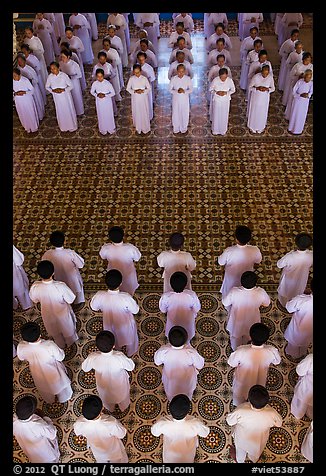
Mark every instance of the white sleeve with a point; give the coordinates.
(131, 305)
(33, 294)
(191, 263)
(276, 356)
(163, 303)
(283, 262)
(222, 259)
(67, 294)
(96, 303)
(136, 254)
(234, 359)
(87, 365)
(159, 356)
(197, 360)
(196, 303)
(128, 363)
(156, 429)
(232, 418)
(258, 256)
(78, 260)
(228, 299)
(266, 300)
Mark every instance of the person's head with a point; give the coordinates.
(180, 27)
(111, 30)
(258, 396)
(106, 44)
(223, 74)
(242, 234)
(265, 71)
(220, 44)
(181, 42)
(249, 279)
(64, 45)
(253, 32)
(258, 45)
(45, 269)
(40, 16)
(298, 46)
(178, 336)
(16, 74)
(176, 241)
(92, 407)
(259, 333)
(141, 58)
(54, 67)
(303, 241)
(294, 34)
(306, 57)
(69, 32)
(180, 56)
(220, 60)
(57, 238)
(116, 233)
(25, 49)
(143, 44)
(113, 279)
(181, 70)
(99, 74)
(30, 331)
(142, 34)
(105, 341)
(262, 56)
(25, 407)
(29, 32)
(178, 281)
(65, 55)
(179, 406)
(21, 60)
(102, 57)
(307, 75)
(219, 29)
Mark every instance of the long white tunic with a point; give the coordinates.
(302, 401)
(286, 48)
(104, 106)
(180, 369)
(30, 73)
(116, 44)
(148, 72)
(20, 279)
(111, 74)
(173, 261)
(151, 57)
(139, 103)
(143, 18)
(244, 312)
(180, 437)
(103, 437)
(186, 20)
(121, 256)
(299, 331)
(51, 18)
(295, 18)
(247, 46)
(37, 437)
(252, 57)
(25, 105)
(172, 43)
(34, 62)
(76, 45)
(72, 69)
(91, 17)
(211, 42)
(300, 105)
(258, 102)
(186, 51)
(247, 23)
(307, 444)
(127, 32)
(137, 47)
(115, 61)
(213, 20)
(251, 428)
(212, 57)
(237, 259)
(181, 310)
(64, 105)
(294, 75)
(45, 36)
(221, 104)
(173, 69)
(180, 102)
(119, 20)
(36, 46)
(295, 267)
(59, 25)
(82, 33)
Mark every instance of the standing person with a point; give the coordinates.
(113, 58)
(180, 31)
(76, 46)
(122, 256)
(36, 436)
(25, 103)
(80, 26)
(302, 92)
(151, 57)
(20, 279)
(60, 85)
(252, 57)
(187, 21)
(302, 401)
(118, 309)
(260, 87)
(251, 422)
(289, 21)
(307, 444)
(127, 32)
(296, 73)
(250, 20)
(111, 372)
(55, 298)
(43, 29)
(180, 87)
(149, 22)
(256, 67)
(292, 95)
(248, 45)
(180, 60)
(31, 74)
(295, 267)
(103, 432)
(110, 74)
(221, 88)
(104, 93)
(293, 58)
(36, 46)
(180, 432)
(237, 259)
(51, 18)
(138, 86)
(243, 305)
(120, 24)
(213, 20)
(181, 363)
(251, 363)
(219, 33)
(142, 35)
(286, 48)
(214, 70)
(181, 46)
(59, 25)
(72, 69)
(67, 264)
(220, 50)
(116, 43)
(148, 72)
(91, 18)
(34, 62)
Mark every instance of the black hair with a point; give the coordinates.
(105, 341)
(259, 333)
(25, 407)
(221, 25)
(57, 238)
(258, 396)
(179, 406)
(220, 56)
(243, 234)
(261, 53)
(65, 45)
(181, 38)
(254, 28)
(30, 331)
(222, 71)
(305, 55)
(294, 31)
(258, 41)
(249, 279)
(68, 28)
(303, 241)
(56, 63)
(17, 71)
(106, 39)
(116, 233)
(45, 269)
(141, 53)
(113, 279)
(101, 53)
(222, 40)
(144, 40)
(180, 23)
(176, 240)
(136, 66)
(177, 336)
(29, 28)
(178, 281)
(266, 66)
(99, 70)
(92, 407)
(25, 46)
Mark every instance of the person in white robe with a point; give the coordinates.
(45, 364)
(104, 94)
(149, 73)
(34, 62)
(278, 25)
(302, 92)
(91, 18)
(36, 46)
(260, 87)
(181, 46)
(180, 432)
(247, 45)
(237, 259)
(187, 21)
(110, 74)
(288, 22)
(214, 73)
(256, 67)
(180, 31)
(302, 401)
(286, 48)
(51, 18)
(251, 422)
(43, 29)
(31, 74)
(221, 88)
(293, 75)
(139, 87)
(295, 267)
(307, 444)
(113, 58)
(36, 435)
(208, 29)
(55, 299)
(118, 310)
(248, 21)
(240, 26)
(67, 264)
(103, 432)
(59, 25)
(80, 26)
(76, 46)
(252, 57)
(20, 279)
(243, 305)
(111, 372)
(116, 43)
(60, 85)
(181, 363)
(180, 60)
(213, 20)
(149, 22)
(175, 260)
(127, 32)
(120, 24)
(25, 106)
(219, 50)
(296, 73)
(219, 33)
(142, 35)
(293, 58)
(72, 69)
(65, 46)
(180, 87)
(151, 57)
(251, 363)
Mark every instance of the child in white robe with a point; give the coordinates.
(247, 45)
(293, 58)
(119, 22)
(118, 309)
(122, 256)
(111, 372)
(237, 259)
(180, 31)
(180, 87)
(187, 21)
(81, 27)
(72, 69)
(24, 101)
(221, 88)
(36, 436)
(295, 267)
(181, 363)
(260, 88)
(103, 432)
(20, 281)
(214, 19)
(175, 260)
(36, 46)
(250, 20)
(104, 93)
(55, 298)
(138, 86)
(180, 432)
(143, 47)
(180, 60)
(302, 92)
(113, 58)
(252, 362)
(142, 34)
(307, 444)
(302, 401)
(251, 422)
(45, 364)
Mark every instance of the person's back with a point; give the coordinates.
(52, 296)
(302, 401)
(299, 332)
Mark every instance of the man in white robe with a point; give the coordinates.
(149, 22)
(307, 444)
(289, 21)
(80, 26)
(219, 50)
(180, 87)
(31, 74)
(118, 309)
(180, 432)
(103, 432)
(20, 281)
(181, 46)
(43, 29)
(286, 48)
(302, 401)
(219, 33)
(302, 92)
(149, 73)
(104, 93)
(111, 372)
(261, 86)
(151, 57)
(187, 21)
(113, 58)
(180, 31)
(116, 43)
(139, 87)
(72, 69)
(119, 22)
(76, 46)
(25, 104)
(180, 60)
(221, 89)
(36, 46)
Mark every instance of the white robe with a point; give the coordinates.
(294, 75)
(181, 310)
(103, 437)
(252, 57)
(26, 105)
(115, 61)
(299, 106)
(247, 23)
(51, 18)
(251, 364)
(137, 47)
(116, 44)
(30, 73)
(180, 437)
(34, 62)
(240, 26)
(151, 30)
(302, 401)
(148, 72)
(187, 22)
(59, 25)
(127, 32)
(172, 43)
(20, 278)
(295, 267)
(76, 45)
(213, 73)
(91, 17)
(180, 102)
(119, 20)
(212, 57)
(211, 42)
(64, 105)
(213, 20)
(180, 369)
(285, 30)
(112, 378)
(118, 309)
(72, 69)
(286, 48)
(173, 261)
(36, 46)
(258, 103)
(104, 106)
(45, 36)
(291, 60)
(299, 332)
(221, 104)
(307, 444)
(37, 437)
(247, 46)
(139, 103)
(121, 256)
(82, 33)
(173, 69)
(151, 57)
(237, 259)
(250, 429)
(186, 51)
